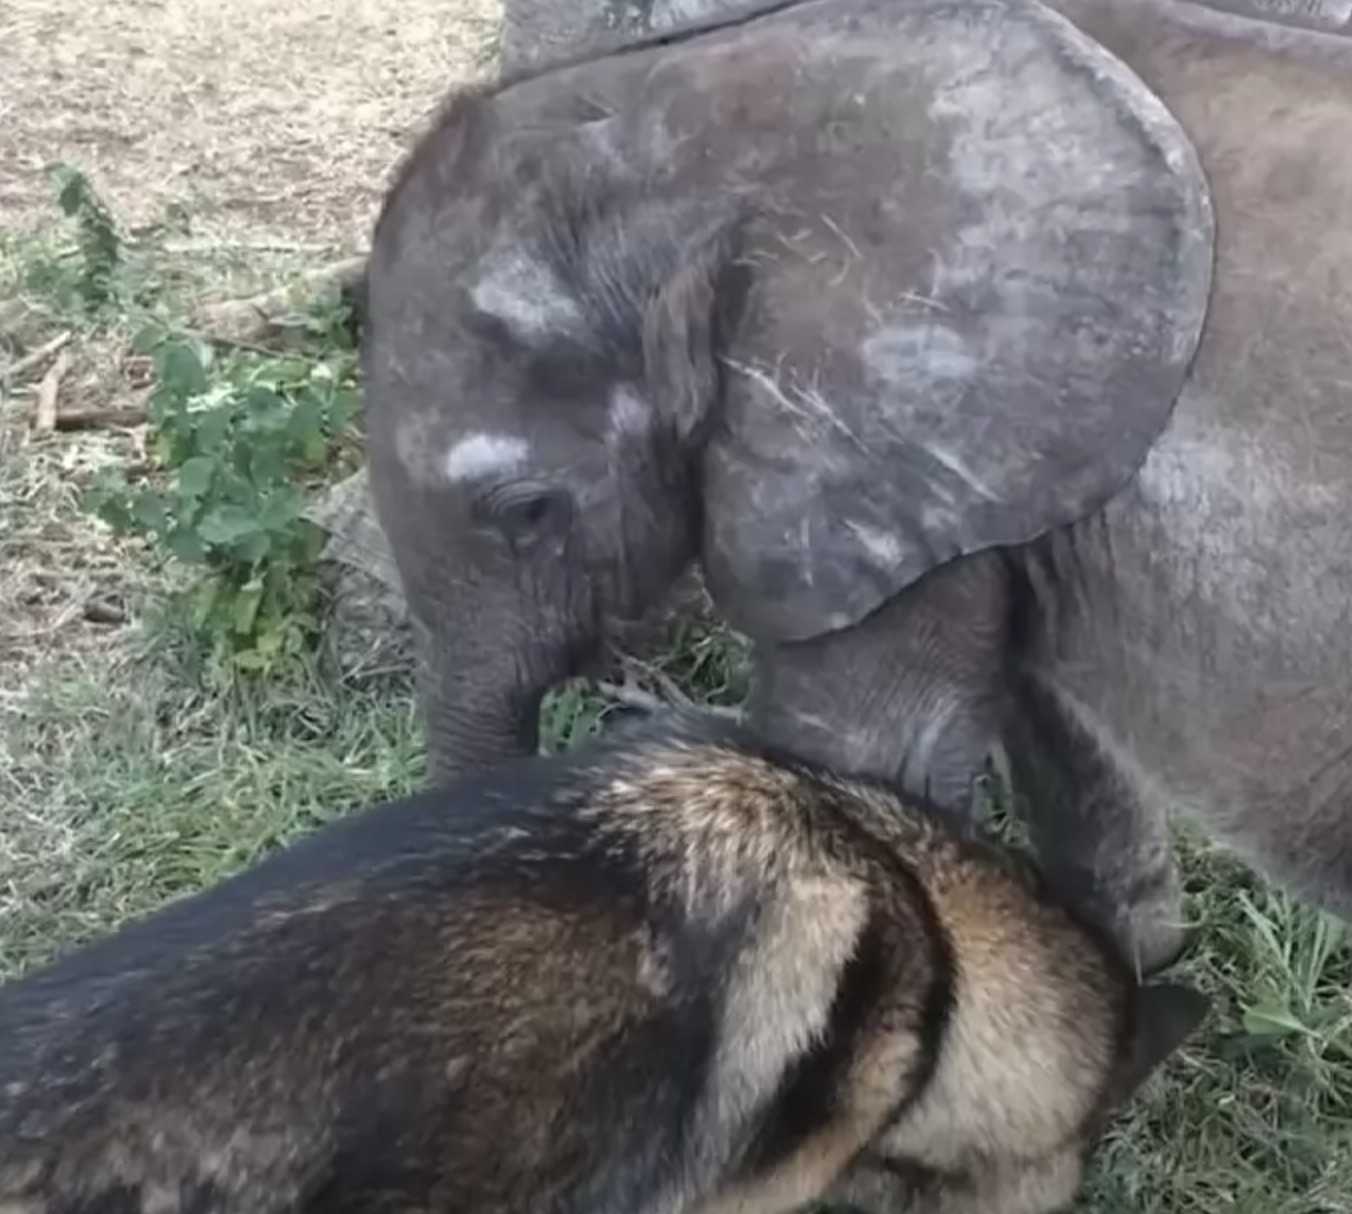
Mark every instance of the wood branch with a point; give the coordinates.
(103, 611)
(48, 390)
(180, 248)
(99, 419)
(245, 320)
(629, 696)
(35, 358)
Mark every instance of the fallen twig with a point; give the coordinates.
(645, 701)
(631, 697)
(45, 418)
(242, 320)
(245, 342)
(35, 358)
(99, 419)
(101, 611)
(180, 247)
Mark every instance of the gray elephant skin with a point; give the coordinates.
(901, 318)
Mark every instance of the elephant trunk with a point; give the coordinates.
(481, 708)
(463, 739)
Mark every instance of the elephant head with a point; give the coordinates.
(823, 298)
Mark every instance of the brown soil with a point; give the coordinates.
(268, 120)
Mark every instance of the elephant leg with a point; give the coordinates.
(912, 693)
(1100, 830)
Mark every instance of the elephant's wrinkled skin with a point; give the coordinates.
(1186, 642)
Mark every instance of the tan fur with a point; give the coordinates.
(511, 990)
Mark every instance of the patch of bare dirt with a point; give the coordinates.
(267, 120)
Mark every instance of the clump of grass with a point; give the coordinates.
(123, 785)
(127, 787)
(1255, 1114)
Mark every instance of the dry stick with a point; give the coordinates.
(100, 611)
(635, 697)
(181, 247)
(97, 419)
(35, 358)
(237, 343)
(48, 389)
(242, 320)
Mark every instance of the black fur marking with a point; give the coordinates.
(810, 1092)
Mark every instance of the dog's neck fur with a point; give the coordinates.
(999, 1029)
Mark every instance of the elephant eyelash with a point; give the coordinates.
(500, 499)
(522, 506)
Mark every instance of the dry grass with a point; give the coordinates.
(265, 121)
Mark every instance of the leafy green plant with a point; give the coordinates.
(99, 248)
(239, 441)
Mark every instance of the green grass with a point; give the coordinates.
(125, 787)
(1255, 1115)
(128, 777)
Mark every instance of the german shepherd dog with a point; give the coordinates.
(671, 973)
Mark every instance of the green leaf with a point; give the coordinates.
(211, 429)
(267, 410)
(314, 449)
(312, 541)
(227, 524)
(1270, 1019)
(291, 371)
(186, 544)
(251, 660)
(266, 465)
(115, 512)
(71, 188)
(148, 339)
(281, 508)
(306, 419)
(344, 406)
(253, 548)
(269, 642)
(149, 511)
(204, 600)
(194, 477)
(181, 370)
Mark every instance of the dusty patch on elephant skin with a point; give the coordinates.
(525, 296)
(628, 416)
(481, 455)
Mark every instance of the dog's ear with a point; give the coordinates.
(1165, 1016)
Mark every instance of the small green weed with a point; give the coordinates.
(240, 439)
(94, 280)
(100, 246)
(236, 440)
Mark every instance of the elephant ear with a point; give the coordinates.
(976, 344)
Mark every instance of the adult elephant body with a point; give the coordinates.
(881, 309)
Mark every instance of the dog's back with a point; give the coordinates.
(669, 973)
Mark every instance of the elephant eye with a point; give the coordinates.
(526, 513)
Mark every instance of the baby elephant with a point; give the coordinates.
(672, 973)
